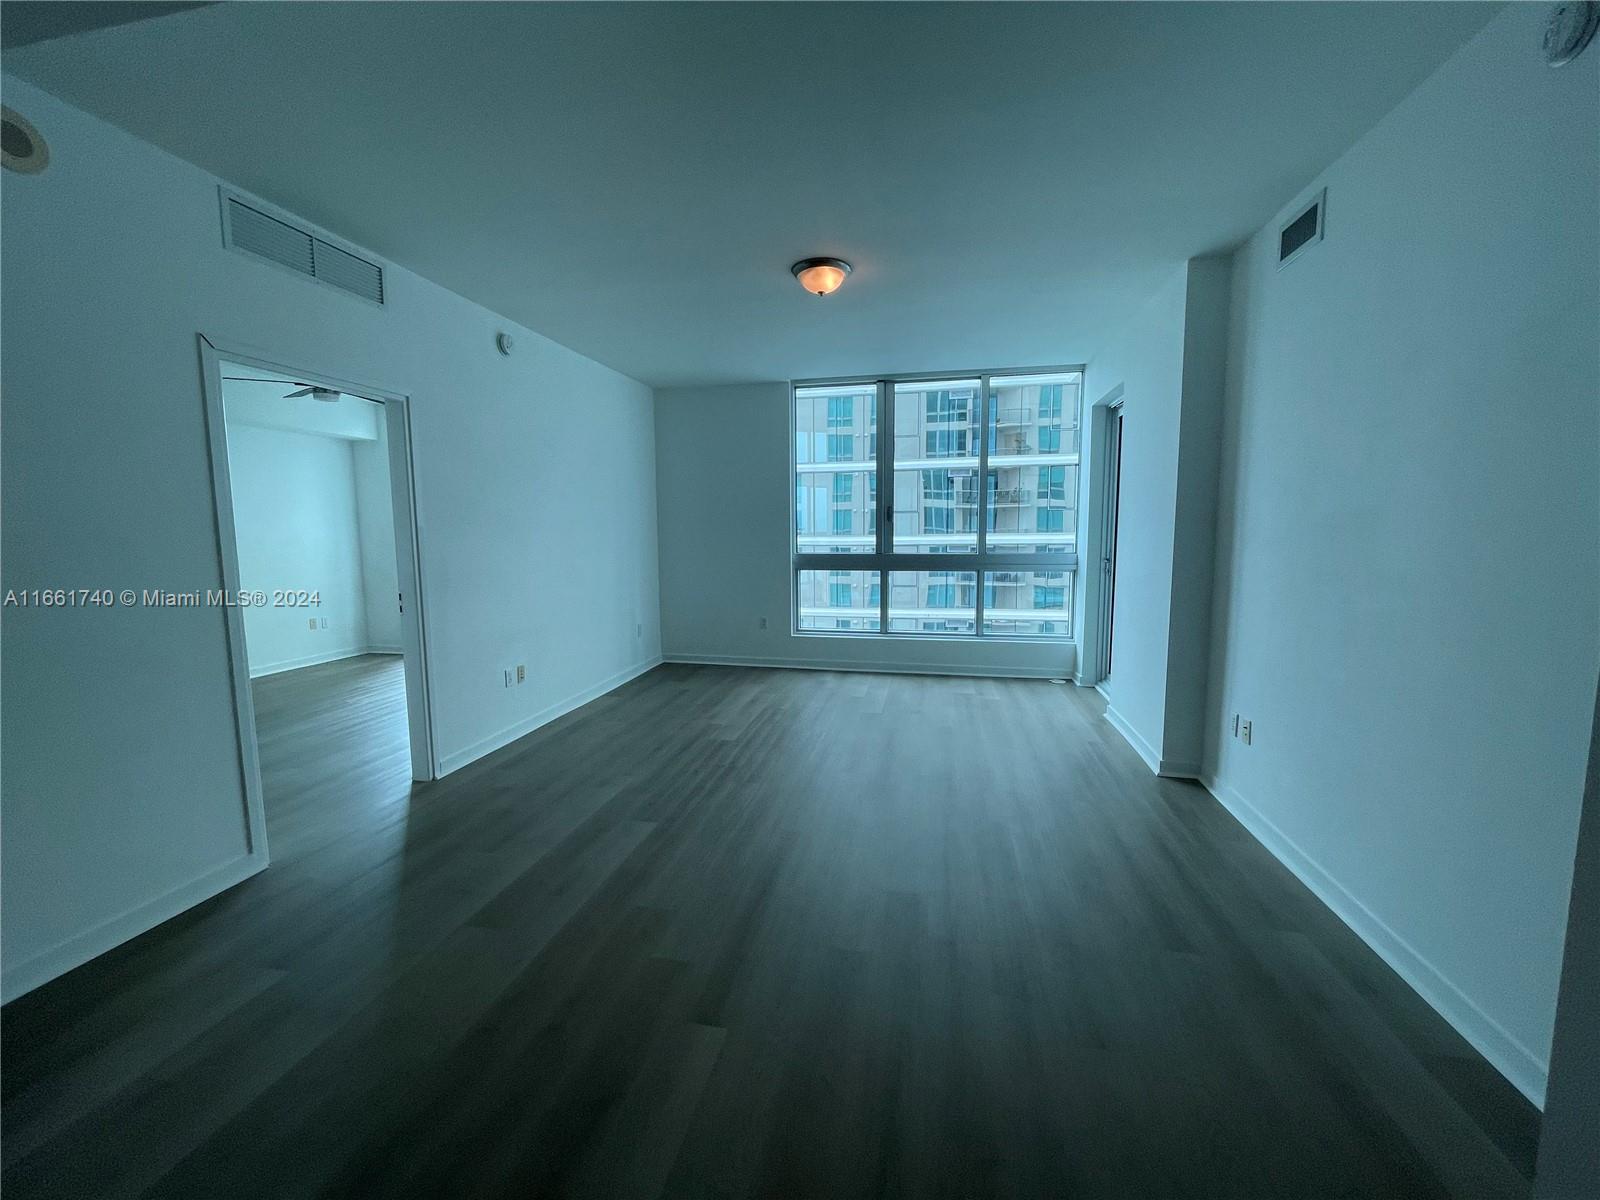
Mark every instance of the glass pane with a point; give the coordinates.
(836, 512)
(933, 601)
(836, 476)
(1031, 494)
(1027, 603)
(936, 494)
(839, 601)
(836, 424)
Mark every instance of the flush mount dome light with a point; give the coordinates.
(819, 276)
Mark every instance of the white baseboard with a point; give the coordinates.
(873, 667)
(95, 941)
(316, 660)
(1133, 737)
(377, 649)
(1525, 1069)
(469, 754)
(1167, 768)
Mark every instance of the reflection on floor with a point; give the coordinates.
(730, 932)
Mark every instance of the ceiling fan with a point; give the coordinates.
(326, 395)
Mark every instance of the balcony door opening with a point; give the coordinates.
(1112, 483)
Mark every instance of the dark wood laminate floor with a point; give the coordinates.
(733, 932)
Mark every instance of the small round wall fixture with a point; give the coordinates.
(1569, 28)
(820, 276)
(503, 343)
(21, 147)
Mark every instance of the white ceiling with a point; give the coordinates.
(1010, 181)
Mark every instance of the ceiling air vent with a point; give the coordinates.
(248, 228)
(1302, 231)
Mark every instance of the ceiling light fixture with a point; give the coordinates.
(819, 276)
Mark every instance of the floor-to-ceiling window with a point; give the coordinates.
(978, 525)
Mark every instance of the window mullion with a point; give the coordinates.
(885, 517)
(982, 505)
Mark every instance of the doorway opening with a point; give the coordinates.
(1111, 482)
(316, 526)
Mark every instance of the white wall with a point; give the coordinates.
(535, 492)
(1409, 543)
(295, 525)
(375, 518)
(1146, 362)
(1569, 1150)
(725, 487)
(1167, 369)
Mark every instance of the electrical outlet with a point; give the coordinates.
(762, 623)
(324, 622)
(1244, 732)
(522, 672)
(313, 621)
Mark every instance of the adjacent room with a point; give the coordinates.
(800, 600)
(332, 655)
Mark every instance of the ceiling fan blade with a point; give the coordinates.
(305, 391)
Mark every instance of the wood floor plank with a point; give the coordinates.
(728, 932)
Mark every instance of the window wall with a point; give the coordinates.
(975, 533)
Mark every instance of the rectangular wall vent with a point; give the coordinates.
(249, 229)
(1301, 231)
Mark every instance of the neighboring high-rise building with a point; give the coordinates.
(1001, 488)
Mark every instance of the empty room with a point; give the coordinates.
(801, 600)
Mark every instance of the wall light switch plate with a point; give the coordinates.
(1235, 724)
(1244, 732)
(313, 621)
(510, 677)
(324, 622)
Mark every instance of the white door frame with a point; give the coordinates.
(1093, 534)
(402, 483)
(1110, 502)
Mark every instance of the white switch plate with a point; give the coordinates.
(313, 621)
(522, 672)
(1244, 732)
(510, 677)
(324, 622)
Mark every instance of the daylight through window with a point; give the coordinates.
(976, 533)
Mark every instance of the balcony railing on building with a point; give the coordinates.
(1002, 498)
